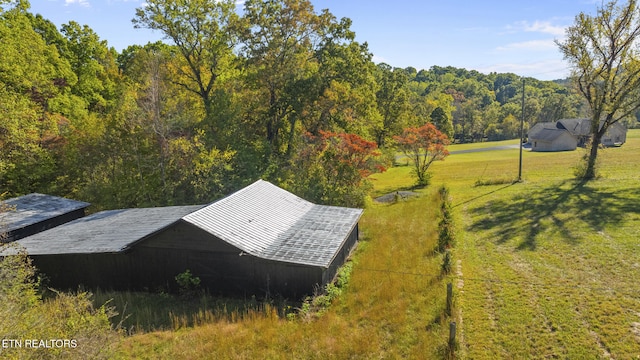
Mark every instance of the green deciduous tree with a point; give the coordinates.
(345, 84)
(280, 48)
(32, 76)
(205, 32)
(393, 102)
(442, 122)
(93, 64)
(603, 52)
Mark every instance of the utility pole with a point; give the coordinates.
(521, 134)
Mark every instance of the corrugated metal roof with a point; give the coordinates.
(271, 223)
(108, 231)
(34, 208)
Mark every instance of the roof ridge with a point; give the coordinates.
(269, 222)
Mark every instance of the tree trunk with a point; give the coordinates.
(273, 123)
(292, 132)
(590, 171)
(380, 135)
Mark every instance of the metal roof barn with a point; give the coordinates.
(259, 240)
(111, 231)
(29, 214)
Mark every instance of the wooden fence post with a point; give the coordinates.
(449, 308)
(452, 338)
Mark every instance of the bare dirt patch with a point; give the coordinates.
(396, 196)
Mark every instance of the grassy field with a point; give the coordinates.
(549, 266)
(546, 268)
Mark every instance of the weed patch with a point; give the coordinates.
(496, 181)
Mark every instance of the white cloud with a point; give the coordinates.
(543, 27)
(538, 26)
(531, 45)
(543, 70)
(84, 3)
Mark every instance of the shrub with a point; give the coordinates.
(317, 304)
(446, 231)
(446, 236)
(443, 193)
(64, 325)
(188, 284)
(447, 262)
(333, 169)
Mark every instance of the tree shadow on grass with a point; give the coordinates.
(568, 208)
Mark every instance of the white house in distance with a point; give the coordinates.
(567, 134)
(551, 139)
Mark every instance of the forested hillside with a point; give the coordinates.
(282, 92)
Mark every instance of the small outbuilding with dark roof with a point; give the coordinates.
(29, 214)
(259, 240)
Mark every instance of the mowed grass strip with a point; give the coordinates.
(550, 265)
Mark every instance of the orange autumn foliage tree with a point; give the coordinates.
(423, 145)
(332, 168)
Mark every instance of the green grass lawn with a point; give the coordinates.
(546, 268)
(550, 266)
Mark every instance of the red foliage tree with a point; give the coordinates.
(332, 168)
(423, 145)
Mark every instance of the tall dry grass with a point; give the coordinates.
(391, 308)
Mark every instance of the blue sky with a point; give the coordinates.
(492, 35)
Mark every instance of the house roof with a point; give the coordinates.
(533, 131)
(577, 127)
(34, 208)
(271, 223)
(549, 134)
(108, 231)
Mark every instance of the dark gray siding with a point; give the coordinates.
(223, 269)
(342, 255)
(70, 271)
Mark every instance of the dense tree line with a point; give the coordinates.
(281, 92)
